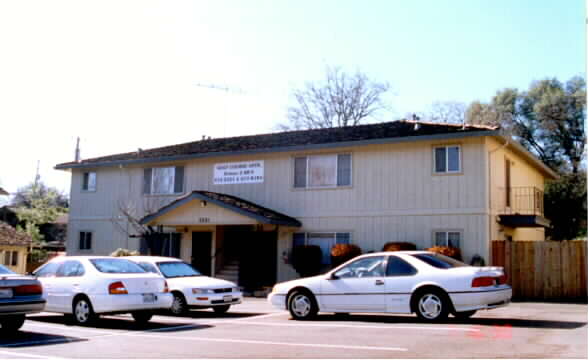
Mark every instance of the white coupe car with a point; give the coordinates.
(87, 286)
(421, 282)
(191, 289)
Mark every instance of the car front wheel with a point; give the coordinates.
(302, 305)
(9, 324)
(432, 306)
(179, 306)
(463, 315)
(221, 309)
(83, 313)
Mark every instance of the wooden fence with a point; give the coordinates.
(543, 270)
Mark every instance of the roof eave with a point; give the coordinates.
(534, 160)
(196, 196)
(393, 140)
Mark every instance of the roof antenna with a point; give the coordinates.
(77, 155)
(415, 118)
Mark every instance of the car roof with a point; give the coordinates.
(401, 252)
(81, 257)
(152, 258)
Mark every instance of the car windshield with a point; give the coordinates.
(173, 269)
(117, 266)
(5, 270)
(439, 261)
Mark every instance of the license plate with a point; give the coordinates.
(5, 293)
(148, 298)
(227, 298)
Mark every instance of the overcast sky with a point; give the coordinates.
(128, 74)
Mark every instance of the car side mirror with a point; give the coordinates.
(333, 277)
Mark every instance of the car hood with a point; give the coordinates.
(204, 282)
(309, 282)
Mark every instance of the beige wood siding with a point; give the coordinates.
(523, 174)
(394, 196)
(22, 251)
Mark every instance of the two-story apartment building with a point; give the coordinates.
(245, 201)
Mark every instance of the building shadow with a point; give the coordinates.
(31, 338)
(120, 323)
(507, 321)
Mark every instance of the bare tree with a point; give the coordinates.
(342, 100)
(449, 112)
(128, 220)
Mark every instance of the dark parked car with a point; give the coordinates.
(19, 295)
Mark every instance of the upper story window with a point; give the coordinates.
(163, 180)
(89, 181)
(447, 159)
(322, 171)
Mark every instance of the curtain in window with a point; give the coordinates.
(163, 180)
(322, 171)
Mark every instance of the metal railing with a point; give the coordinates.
(524, 200)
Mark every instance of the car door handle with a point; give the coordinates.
(379, 282)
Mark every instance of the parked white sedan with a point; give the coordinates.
(87, 286)
(191, 289)
(421, 282)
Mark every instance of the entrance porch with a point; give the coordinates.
(225, 236)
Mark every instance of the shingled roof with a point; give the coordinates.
(401, 130)
(9, 236)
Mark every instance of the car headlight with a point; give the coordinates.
(202, 291)
(237, 289)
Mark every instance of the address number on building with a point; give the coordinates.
(204, 220)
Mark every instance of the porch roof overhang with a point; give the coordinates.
(232, 203)
(523, 221)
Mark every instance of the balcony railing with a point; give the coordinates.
(525, 200)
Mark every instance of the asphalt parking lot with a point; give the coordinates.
(255, 330)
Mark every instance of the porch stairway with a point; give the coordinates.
(230, 272)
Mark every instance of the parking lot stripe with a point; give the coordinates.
(42, 342)
(260, 342)
(380, 327)
(14, 353)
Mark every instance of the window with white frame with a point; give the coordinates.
(447, 159)
(325, 240)
(449, 238)
(322, 171)
(89, 181)
(163, 180)
(85, 240)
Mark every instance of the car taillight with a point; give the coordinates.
(165, 287)
(483, 281)
(117, 288)
(502, 279)
(33, 289)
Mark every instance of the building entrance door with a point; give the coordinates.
(202, 251)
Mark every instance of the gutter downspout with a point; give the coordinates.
(490, 152)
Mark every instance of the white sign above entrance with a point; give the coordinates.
(246, 172)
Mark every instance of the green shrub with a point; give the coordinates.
(341, 253)
(307, 260)
(398, 246)
(447, 251)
